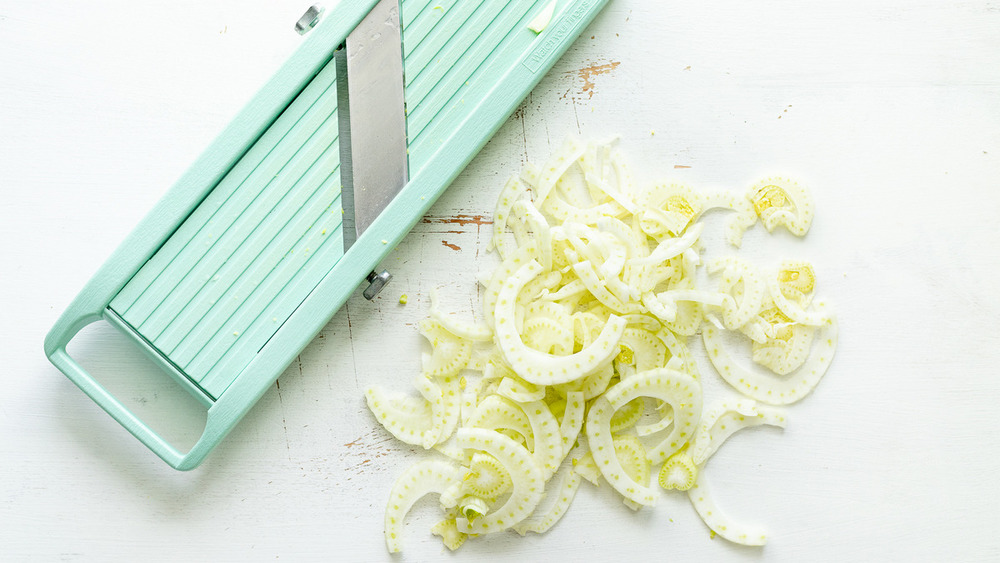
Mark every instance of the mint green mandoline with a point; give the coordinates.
(242, 263)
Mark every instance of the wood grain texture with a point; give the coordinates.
(886, 110)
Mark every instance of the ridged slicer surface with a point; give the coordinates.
(265, 236)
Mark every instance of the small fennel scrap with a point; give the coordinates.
(581, 369)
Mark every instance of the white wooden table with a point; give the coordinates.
(888, 110)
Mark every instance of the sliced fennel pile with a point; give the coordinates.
(581, 369)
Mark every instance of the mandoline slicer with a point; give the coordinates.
(276, 224)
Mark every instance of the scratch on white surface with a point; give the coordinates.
(576, 115)
(281, 407)
(519, 115)
(350, 334)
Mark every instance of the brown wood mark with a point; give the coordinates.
(588, 73)
(461, 219)
(451, 246)
(365, 449)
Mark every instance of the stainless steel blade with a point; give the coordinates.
(372, 118)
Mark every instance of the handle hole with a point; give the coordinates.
(119, 364)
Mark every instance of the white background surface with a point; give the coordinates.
(888, 110)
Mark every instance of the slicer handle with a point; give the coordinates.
(55, 349)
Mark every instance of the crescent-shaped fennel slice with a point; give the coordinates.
(526, 478)
(449, 353)
(677, 389)
(538, 367)
(718, 522)
(773, 389)
(780, 201)
(513, 190)
(725, 418)
(422, 421)
(424, 477)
